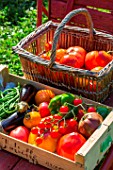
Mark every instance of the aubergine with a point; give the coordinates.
(27, 93)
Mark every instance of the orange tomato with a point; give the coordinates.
(78, 49)
(31, 119)
(72, 59)
(103, 58)
(43, 96)
(59, 54)
(97, 58)
(75, 57)
(90, 61)
(48, 143)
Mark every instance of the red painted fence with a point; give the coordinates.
(100, 10)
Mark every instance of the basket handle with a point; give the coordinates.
(60, 27)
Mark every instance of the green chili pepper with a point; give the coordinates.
(103, 111)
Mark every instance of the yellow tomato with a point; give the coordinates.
(48, 143)
(32, 119)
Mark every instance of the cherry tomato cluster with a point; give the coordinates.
(55, 126)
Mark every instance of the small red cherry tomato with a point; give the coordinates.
(91, 109)
(54, 133)
(77, 101)
(39, 140)
(64, 109)
(72, 123)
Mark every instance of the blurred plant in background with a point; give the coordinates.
(17, 19)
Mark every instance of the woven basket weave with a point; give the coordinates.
(61, 76)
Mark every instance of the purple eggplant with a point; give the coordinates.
(27, 93)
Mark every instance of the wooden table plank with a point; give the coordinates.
(25, 165)
(7, 160)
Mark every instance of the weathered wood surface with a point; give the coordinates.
(103, 20)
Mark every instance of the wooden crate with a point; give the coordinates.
(88, 156)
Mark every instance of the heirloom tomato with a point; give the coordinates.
(46, 56)
(20, 133)
(43, 96)
(89, 123)
(69, 144)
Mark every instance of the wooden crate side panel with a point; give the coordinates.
(97, 145)
(36, 155)
(101, 19)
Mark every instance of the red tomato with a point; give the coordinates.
(92, 86)
(97, 58)
(72, 123)
(48, 46)
(103, 58)
(64, 109)
(72, 59)
(80, 114)
(91, 109)
(43, 109)
(20, 133)
(67, 124)
(77, 101)
(78, 49)
(90, 61)
(69, 144)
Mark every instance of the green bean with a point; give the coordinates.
(8, 101)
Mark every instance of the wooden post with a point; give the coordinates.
(40, 9)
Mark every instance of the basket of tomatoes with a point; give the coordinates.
(67, 57)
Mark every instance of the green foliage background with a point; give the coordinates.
(17, 19)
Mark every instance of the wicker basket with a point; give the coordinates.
(65, 77)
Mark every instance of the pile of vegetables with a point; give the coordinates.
(57, 123)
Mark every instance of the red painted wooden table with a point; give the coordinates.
(9, 161)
